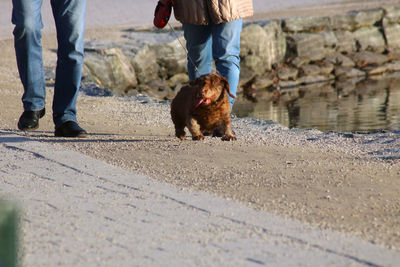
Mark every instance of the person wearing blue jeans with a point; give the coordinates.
(212, 31)
(220, 42)
(69, 16)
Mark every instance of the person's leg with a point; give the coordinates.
(26, 17)
(69, 16)
(198, 44)
(226, 49)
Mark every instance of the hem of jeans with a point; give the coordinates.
(26, 108)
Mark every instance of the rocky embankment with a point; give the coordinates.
(275, 54)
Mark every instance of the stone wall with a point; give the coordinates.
(274, 54)
(304, 50)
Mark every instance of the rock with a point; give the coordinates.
(245, 76)
(346, 42)
(344, 61)
(393, 66)
(111, 69)
(276, 45)
(325, 67)
(253, 49)
(298, 62)
(248, 46)
(330, 39)
(165, 95)
(306, 46)
(341, 60)
(380, 69)
(180, 78)
(286, 73)
(310, 70)
(171, 58)
(288, 84)
(145, 65)
(376, 70)
(370, 38)
(264, 81)
(157, 89)
(392, 33)
(254, 65)
(355, 19)
(366, 58)
(343, 22)
(305, 24)
(392, 14)
(261, 47)
(394, 56)
(367, 18)
(343, 73)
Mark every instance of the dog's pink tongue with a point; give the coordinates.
(199, 103)
(203, 100)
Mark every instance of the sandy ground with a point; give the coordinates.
(347, 183)
(78, 211)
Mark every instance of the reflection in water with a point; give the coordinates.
(342, 106)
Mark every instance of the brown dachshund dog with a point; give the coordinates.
(203, 106)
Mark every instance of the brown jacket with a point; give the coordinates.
(202, 12)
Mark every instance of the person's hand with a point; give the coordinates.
(162, 13)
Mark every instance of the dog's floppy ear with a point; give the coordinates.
(225, 85)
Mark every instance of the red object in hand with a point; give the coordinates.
(162, 14)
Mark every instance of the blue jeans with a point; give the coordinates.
(220, 42)
(69, 16)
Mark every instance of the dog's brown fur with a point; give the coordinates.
(203, 106)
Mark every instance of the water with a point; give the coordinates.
(351, 106)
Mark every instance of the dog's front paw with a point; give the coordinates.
(181, 136)
(198, 137)
(180, 133)
(228, 137)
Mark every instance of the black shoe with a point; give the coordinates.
(29, 120)
(70, 129)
